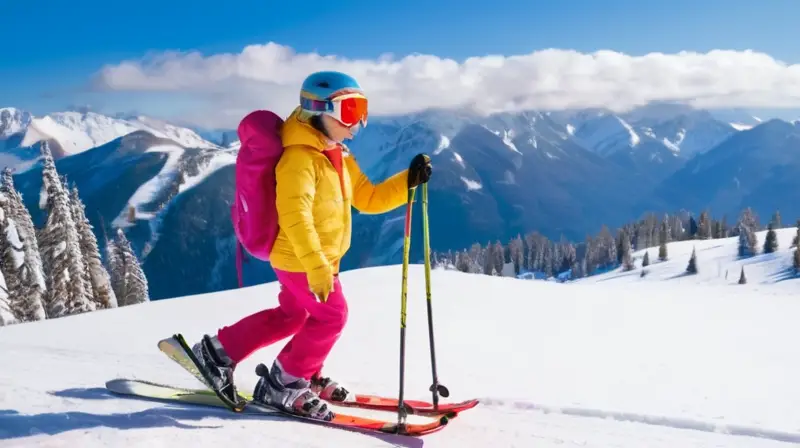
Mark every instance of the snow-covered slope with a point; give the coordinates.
(718, 266)
(661, 363)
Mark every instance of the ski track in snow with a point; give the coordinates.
(615, 360)
(655, 420)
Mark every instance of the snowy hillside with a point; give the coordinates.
(717, 264)
(677, 366)
(75, 132)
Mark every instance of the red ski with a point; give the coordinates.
(415, 407)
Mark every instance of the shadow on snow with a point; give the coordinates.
(16, 425)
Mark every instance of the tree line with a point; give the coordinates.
(57, 270)
(536, 254)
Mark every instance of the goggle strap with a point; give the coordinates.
(316, 105)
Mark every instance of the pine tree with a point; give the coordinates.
(646, 259)
(569, 256)
(693, 229)
(771, 241)
(662, 241)
(498, 257)
(691, 268)
(99, 280)
(31, 286)
(516, 248)
(58, 242)
(84, 275)
(747, 226)
(796, 260)
(463, 262)
(742, 278)
(797, 235)
(128, 276)
(627, 258)
(724, 231)
(776, 219)
(12, 260)
(704, 228)
(6, 315)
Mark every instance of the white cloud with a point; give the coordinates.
(269, 76)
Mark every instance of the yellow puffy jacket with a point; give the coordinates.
(313, 213)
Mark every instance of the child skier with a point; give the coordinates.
(317, 181)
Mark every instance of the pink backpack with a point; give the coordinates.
(254, 216)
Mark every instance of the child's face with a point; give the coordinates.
(337, 131)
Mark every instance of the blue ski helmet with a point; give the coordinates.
(322, 86)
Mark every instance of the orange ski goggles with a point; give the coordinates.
(349, 109)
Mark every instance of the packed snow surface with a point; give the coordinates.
(663, 361)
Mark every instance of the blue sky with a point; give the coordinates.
(53, 47)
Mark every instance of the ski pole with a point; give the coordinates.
(402, 411)
(436, 388)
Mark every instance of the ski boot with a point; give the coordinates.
(217, 365)
(329, 390)
(293, 395)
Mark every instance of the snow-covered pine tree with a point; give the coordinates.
(488, 259)
(748, 224)
(116, 269)
(517, 249)
(704, 226)
(627, 258)
(498, 257)
(463, 262)
(85, 276)
(32, 285)
(58, 243)
(646, 259)
(136, 288)
(742, 277)
(99, 280)
(12, 259)
(6, 315)
(569, 255)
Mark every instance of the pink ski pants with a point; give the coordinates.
(314, 326)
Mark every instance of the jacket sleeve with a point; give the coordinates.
(373, 199)
(295, 188)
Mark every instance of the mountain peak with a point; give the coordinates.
(13, 121)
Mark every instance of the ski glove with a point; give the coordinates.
(320, 282)
(419, 171)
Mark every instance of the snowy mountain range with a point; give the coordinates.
(555, 172)
(74, 132)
